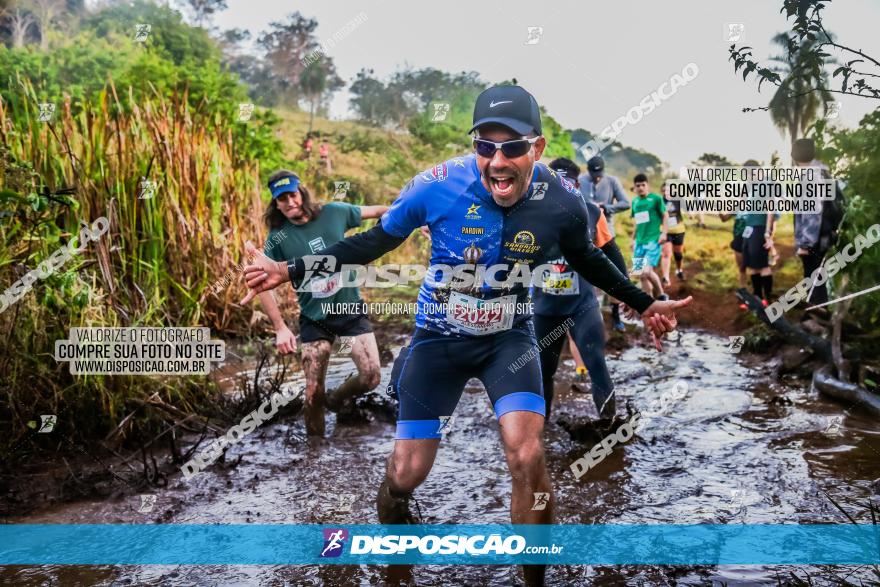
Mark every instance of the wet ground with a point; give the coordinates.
(733, 448)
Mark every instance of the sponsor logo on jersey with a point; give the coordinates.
(459, 161)
(437, 173)
(317, 244)
(568, 185)
(472, 230)
(472, 213)
(523, 242)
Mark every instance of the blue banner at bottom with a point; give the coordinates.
(651, 544)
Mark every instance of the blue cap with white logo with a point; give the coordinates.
(288, 183)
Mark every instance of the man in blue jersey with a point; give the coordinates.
(495, 208)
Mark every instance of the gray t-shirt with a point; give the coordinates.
(608, 194)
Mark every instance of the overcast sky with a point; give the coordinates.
(593, 62)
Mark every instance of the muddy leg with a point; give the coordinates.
(315, 356)
(524, 449)
(365, 354)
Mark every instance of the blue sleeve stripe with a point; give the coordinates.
(520, 401)
(415, 429)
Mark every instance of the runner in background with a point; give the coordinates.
(674, 245)
(324, 152)
(736, 245)
(607, 192)
(649, 233)
(808, 227)
(307, 147)
(307, 228)
(566, 301)
(757, 243)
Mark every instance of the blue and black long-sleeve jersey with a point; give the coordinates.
(452, 201)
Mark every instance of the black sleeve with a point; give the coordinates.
(613, 252)
(358, 249)
(592, 264)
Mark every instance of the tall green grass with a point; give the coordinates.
(154, 267)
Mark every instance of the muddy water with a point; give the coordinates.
(734, 449)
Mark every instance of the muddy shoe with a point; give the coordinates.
(393, 509)
(338, 398)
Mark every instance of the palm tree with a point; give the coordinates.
(803, 90)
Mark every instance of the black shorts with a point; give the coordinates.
(676, 239)
(737, 243)
(755, 256)
(429, 376)
(331, 327)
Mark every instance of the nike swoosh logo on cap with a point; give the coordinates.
(494, 104)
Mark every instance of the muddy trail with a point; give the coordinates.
(735, 447)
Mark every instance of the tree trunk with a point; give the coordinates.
(311, 114)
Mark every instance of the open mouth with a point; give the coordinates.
(502, 185)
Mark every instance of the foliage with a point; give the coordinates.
(792, 107)
(854, 156)
(809, 43)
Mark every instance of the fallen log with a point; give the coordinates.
(789, 331)
(825, 384)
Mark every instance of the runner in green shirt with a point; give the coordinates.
(298, 227)
(650, 216)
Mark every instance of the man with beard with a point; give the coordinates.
(494, 207)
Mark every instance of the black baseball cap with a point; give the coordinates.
(596, 165)
(509, 106)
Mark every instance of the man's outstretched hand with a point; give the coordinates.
(262, 274)
(659, 318)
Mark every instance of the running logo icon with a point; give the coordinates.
(47, 111)
(245, 111)
(46, 425)
(334, 540)
(141, 32)
(736, 344)
(535, 33)
(541, 501)
(441, 111)
(340, 190)
(147, 503)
